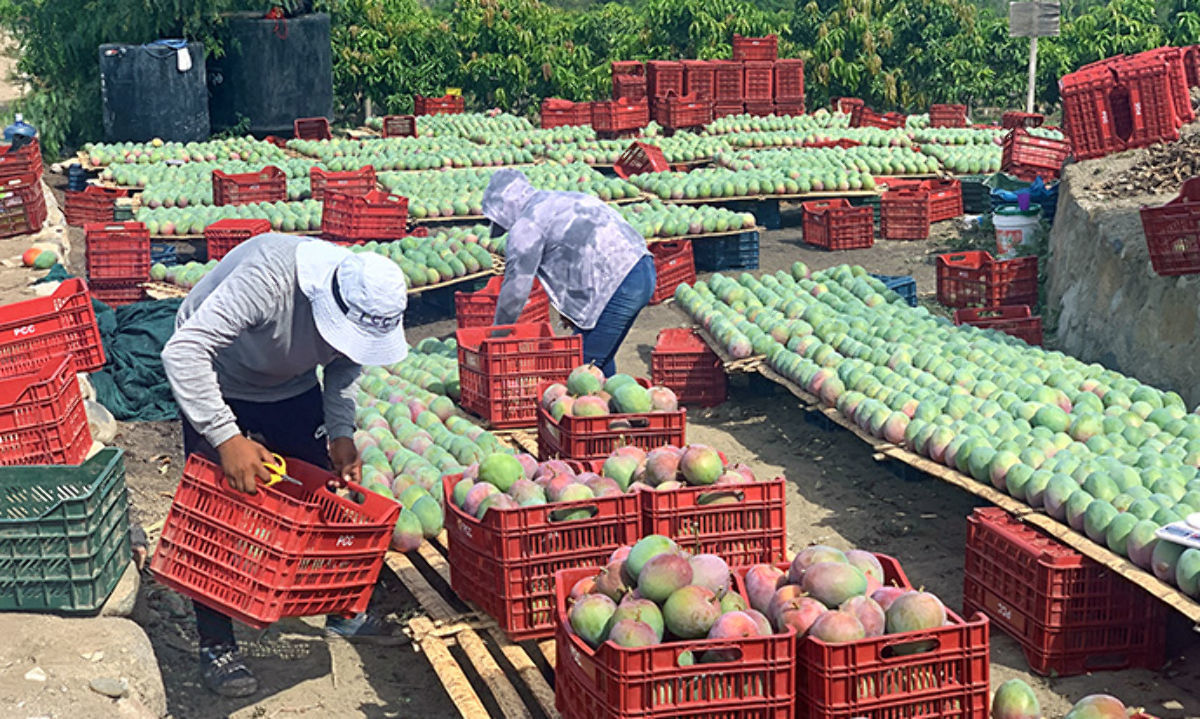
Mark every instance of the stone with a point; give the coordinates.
(124, 596)
(109, 687)
(37, 674)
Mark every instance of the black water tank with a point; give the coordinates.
(273, 72)
(144, 95)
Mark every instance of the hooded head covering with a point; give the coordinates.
(506, 195)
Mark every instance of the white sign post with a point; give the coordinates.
(1032, 20)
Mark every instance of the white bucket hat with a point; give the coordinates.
(358, 301)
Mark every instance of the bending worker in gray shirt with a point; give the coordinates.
(593, 264)
(243, 360)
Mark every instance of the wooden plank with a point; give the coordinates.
(704, 235)
(550, 651)
(435, 560)
(801, 197)
(730, 363)
(462, 694)
(523, 440)
(527, 670)
(413, 291)
(426, 595)
(502, 690)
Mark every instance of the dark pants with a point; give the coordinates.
(600, 343)
(290, 428)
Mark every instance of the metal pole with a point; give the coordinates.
(1032, 72)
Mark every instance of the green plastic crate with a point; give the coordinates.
(976, 194)
(64, 534)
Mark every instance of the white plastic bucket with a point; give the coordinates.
(1014, 227)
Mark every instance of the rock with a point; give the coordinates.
(35, 675)
(109, 687)
(174, 604)
(124, 595)
(100, 421)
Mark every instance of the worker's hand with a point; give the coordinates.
(242, 459)
(344, 456)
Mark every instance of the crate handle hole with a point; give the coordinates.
(905, 649)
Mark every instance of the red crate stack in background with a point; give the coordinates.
(1090, 115)
(755, 48)
(267, 185)
(945, 199)
(699, 79)
(629, 87)
(1178, 80)
(374, 216)
(628, 67)
(835, 225)
(682, 362)
(23, 209)
(904, 214)
(728, 82)
(1016, 320)
(760, 81)
(1151, 100)
(789, 81)
(662, 77)
(42, 419)
(92, 204)
(674, 265)
(621, 115)
(948, 116)
(350, 182)
(445, 105)
(117, 260)
(1027, 156)
(311, 128)
(399, 126)
(25, 161)
(975, 279)
(680, 111)
(223, 235)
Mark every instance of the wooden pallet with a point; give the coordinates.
(522, 440)
(473, 659)
(731, 364)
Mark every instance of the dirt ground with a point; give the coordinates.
(837, 494)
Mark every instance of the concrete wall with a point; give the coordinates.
(1112, 308)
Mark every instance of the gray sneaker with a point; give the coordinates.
(366, 628)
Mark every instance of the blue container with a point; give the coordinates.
(163, 253)
(736, 252)
(19, 127)
(903, 285)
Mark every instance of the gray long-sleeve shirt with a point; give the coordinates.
(579, 247)
(246, 332)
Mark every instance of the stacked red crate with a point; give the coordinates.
(118, 260)
(728, 81)
(760, 81)
(1090, 116)
(1151, 100)
(1180, 96)
(679, 111)
(699, 79)
(629, 87)
(663, 77)
(445, 105)
(948, 116)
(621, 115)
(755, 48)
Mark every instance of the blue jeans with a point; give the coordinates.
(601, 342)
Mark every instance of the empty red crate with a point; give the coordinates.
(640, 157)
(662, 77)
(1013, 118)
(118, 293)
(974, 279)
(92, 204)
(1015, 320)
(1191, 64)
(789, 80)
(760, 109)
(755, 48)
(23, 209)
(786, 109)
(557, 112)
(1178, 80)
(25, 162)
(628, 67)
(674, 266)
(945, 199)
(351, 182)
(759, 81)
(629, 87)
(596, 437)
(60, 323)
(683, 363)
(1029, 157)
(478, 309)
(846, 105)
(904, 214)
(42, 419)
(1070, 614)
(726, 109)
(729, 82)
(836, 225)
(620, 115)
(117, 251)
(948, 116)
(267, 185)
(755, 679)
(374, 216)
(699, 79)
(399, 126)
(500, 368)
(1173, 232)
(1151, 100)
(743, 524)
(1091, 115)
(287, 551)
(445, 105)
(223, 235)
(863, 116)
(506, 561)
(311, 128)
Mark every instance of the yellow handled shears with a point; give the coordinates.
(278, 470)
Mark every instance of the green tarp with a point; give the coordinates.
(132, 384)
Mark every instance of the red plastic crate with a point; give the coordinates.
(1016, 320)
(374, 216)
(1191, 64)
(1014, 118)
(506, 561)
(1070, 614)
(760, 109)
(1173, 232)
(743, 524)
(836, 225)
(267, 185)
(1178, 80)
(674, 266)
(863, 116)
(399, 126)
(682, 362)
(92, 204)
(904, 214)
(1090, 115)
(612, 682)
(24, 163)
(478, 309)
(286, 551)
(755, 48)
(311, 128)
(640, 157)
(760, 81)
(786, 109)
(42, 419)
(223, 235)
(699, 79)
(725, 109)
(679, 111)
(117, 252)
(662, 77)
(628, 67)
(352, 182)
(118, 293)
(846, 105)
(445, 105)
(24, 210)
(729, 82)
(557, 112)
(945, 199)
(1150, 98)
(974, 279)
(789, 81)
(60, 323)
(629, 87)
(620, 115)
(596, 437)
(948, 116)
(1029, 157)
(500, 368)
